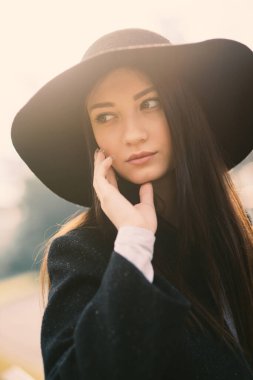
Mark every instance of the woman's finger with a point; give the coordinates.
(101, 166)
(100, 181)
(111, 177)
(146, 194)
(110, 174)
(99, 159)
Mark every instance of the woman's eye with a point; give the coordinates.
(103, 117)
(150, 103)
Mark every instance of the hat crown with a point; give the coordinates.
(123, 39)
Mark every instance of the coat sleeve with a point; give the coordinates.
(103, 318)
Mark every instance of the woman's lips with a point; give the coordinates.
(139, 161)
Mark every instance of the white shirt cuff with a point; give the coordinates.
(136, 244)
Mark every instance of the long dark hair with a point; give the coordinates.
(215, 255)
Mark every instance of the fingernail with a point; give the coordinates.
(96, 152)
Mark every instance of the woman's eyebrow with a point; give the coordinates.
(143, 92)
(101, 105)
(135, 97)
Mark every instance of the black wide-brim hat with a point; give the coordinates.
(48, 131)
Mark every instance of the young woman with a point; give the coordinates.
(155, 279)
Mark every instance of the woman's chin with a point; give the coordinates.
(140, 179)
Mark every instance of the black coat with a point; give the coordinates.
(105, 320)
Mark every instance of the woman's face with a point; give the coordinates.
(127, 118)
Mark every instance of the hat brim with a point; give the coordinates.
(48, 131)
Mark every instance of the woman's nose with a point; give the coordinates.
(134, 131)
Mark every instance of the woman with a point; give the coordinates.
(154, 280)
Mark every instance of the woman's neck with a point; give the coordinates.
(165, 197)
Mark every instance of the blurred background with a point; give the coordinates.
(40, 39)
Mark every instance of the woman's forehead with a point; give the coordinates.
(115, 78)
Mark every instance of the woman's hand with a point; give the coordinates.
(119, 210)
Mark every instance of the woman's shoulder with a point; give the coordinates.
(86, 236)
(82, 245)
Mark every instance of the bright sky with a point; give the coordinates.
(40, 39)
